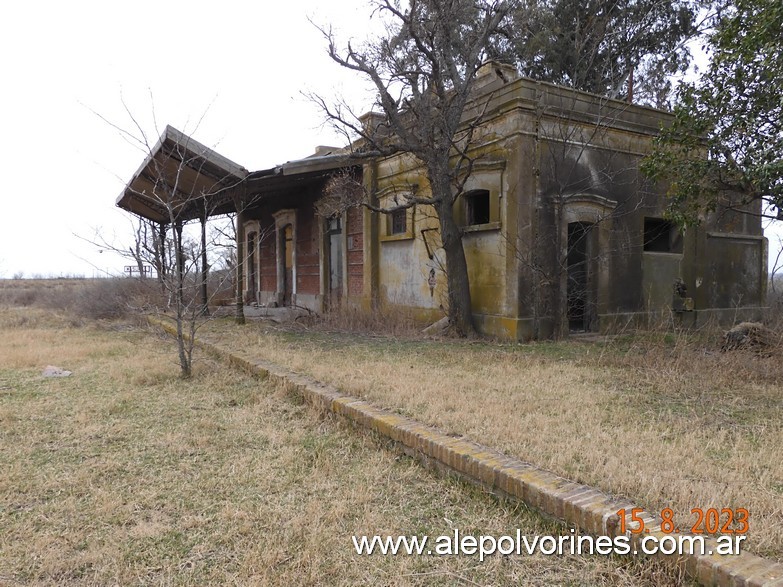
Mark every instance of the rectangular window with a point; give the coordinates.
(399, 222)
(333, 225)
(477, 207)
(661, 236)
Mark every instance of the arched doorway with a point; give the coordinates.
(584, 281)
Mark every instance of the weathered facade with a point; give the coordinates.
(562, 232)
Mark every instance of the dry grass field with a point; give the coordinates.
(662, 418)
(125, 474)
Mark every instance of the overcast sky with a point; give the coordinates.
(230, 74)
(239, 67)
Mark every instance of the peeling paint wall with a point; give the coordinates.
(659, 273)
(561, 156)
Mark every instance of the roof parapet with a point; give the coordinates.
(374, 124)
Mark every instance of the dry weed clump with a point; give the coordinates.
(125, 474)
(347, 319)
(27, 292)
(750, 336)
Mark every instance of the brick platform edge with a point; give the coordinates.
(589, 509)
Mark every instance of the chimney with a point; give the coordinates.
(374, 124)
(322, 150)
(494, 72)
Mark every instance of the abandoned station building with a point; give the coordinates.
(562, 232)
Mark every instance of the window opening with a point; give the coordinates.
(477, 207)
(661, 236)
(399, 222)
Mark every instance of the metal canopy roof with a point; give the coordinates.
(183, 178)
(178, 179)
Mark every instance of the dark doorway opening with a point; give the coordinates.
(288, 263)
(252, 274)
(579, 294)
(478, 207)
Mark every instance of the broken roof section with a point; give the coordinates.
(295, 175)
(181, 178)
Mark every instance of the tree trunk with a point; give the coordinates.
(184, 356)
(141, 237)
(460, 314)
(160, 256)
(204, 267)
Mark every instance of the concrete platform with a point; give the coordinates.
(280, 315)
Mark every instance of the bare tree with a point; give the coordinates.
(178, 183)
(147, 252)
(423, 70)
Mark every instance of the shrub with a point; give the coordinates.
(84, 298)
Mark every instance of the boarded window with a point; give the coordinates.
(661, 236)
(399, 222)
(477, 207)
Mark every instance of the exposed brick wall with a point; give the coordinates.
(308, 253)
(355, 233)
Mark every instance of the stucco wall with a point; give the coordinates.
(659, 272)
